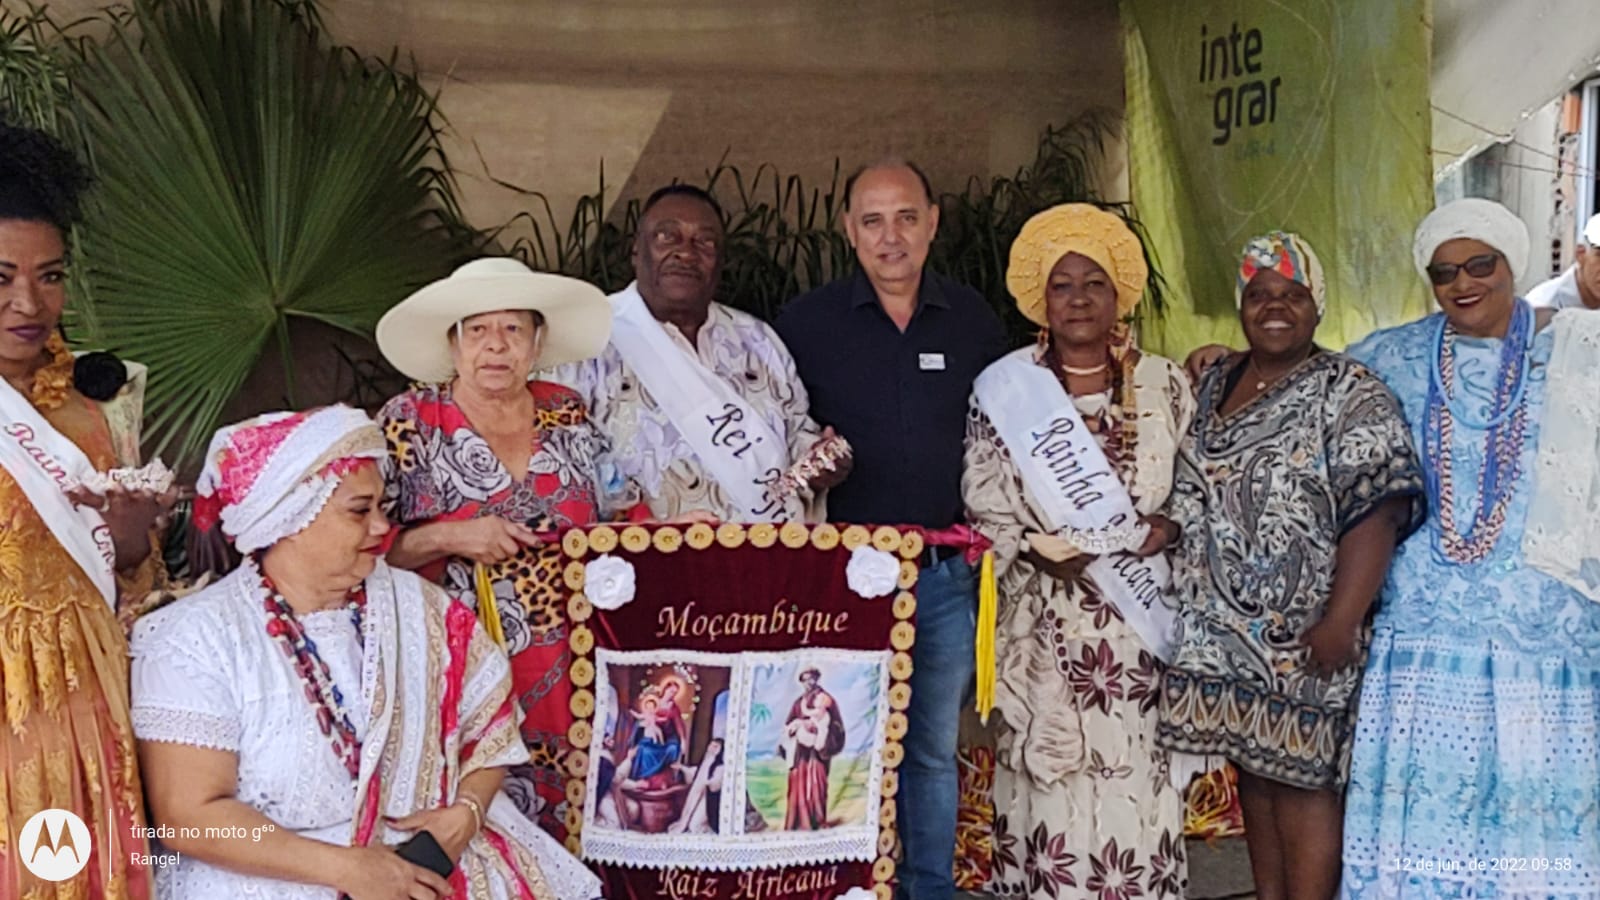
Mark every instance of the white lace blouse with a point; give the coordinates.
(206, 674)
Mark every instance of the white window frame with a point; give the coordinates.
(1588, 154)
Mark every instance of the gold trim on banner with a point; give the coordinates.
(700, 536)
(886, 813)
(855, 536)
(581, 672)
(882, 891)
(667, 539)
(582, 703)
(905, 605)
(582, 639)
(579, 609)
(901, 636)
(578, 764)
(911, 545)
(575, 542)
(893, 754)
(577, 792)
(886, 842)
(883, 870)
(891, 784)
(900, 667)
(574, 575)
(794, 535)
(896, 728)
(580, 734)
(886, 539)
(603, 539)
(908, 574)
(899, 696)
(763, 536)
(824, 537)
(731, 535)
(574, 819)
(636, 539)
(575, 846)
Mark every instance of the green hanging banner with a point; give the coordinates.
(1246, 116)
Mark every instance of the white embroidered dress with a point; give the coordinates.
(207, 674)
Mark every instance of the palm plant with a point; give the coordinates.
(250, 172)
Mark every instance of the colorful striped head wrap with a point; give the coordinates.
(1289, 255)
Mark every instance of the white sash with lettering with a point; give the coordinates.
(45, 464)
(1068, 474)
(732, 441)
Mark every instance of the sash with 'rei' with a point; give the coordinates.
(725, 432)
(1065, 470)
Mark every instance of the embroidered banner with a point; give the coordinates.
(740, 697)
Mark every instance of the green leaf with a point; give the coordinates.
(250, 171)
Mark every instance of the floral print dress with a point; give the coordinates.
(1083, 803)
(439, 469)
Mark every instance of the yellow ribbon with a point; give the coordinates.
(488, 609)
(988, 602)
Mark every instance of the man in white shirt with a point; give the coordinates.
(1579, 286)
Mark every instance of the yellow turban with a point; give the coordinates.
(1087, 231)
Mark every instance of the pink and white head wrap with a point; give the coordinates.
(267, 478)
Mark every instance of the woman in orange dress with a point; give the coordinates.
(66, 743)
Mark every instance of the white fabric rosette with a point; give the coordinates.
(871, 572)
(608, 582)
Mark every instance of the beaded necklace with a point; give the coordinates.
(320, 690)
(1120, 425)
(1506, 426)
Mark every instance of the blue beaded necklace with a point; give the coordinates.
(1506, 427)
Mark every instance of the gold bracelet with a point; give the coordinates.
(475, 808)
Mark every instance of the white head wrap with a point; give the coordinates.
(267, 478)
(1474, 219)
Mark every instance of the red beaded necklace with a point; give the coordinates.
(320, 690)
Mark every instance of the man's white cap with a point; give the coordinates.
(1591, 231)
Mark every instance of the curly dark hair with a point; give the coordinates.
(40, 179)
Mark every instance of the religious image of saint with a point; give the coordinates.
(812, 735)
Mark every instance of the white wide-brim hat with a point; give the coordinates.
(414, 336)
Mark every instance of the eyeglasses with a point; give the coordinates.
(1483, 266)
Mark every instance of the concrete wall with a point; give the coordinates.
(541, 93)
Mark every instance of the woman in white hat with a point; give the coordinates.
(483, 460)
(1475, 746)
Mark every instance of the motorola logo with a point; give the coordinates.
(54, 845)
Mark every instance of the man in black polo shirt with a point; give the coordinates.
(888, 356)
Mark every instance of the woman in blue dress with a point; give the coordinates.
(1475, 771)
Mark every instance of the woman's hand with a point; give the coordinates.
(130, 515)
(1204, 358)
(452, 826)
(694, 517)
(1333, 644)
(1070, 569)
(490, 539)
(1163, 534)
(378, 873)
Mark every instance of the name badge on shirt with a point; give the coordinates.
(930, 362)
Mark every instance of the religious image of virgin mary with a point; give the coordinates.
(656, 744)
